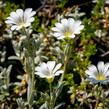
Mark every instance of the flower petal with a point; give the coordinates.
(93, 69)
(57, 34)
(107, 73)
(100, 66)
(59, 26)
(61, 37)
(78, 30)
(106, 67)
(51, 65)
(10, 22)
(70, 21)
(90, 74)
(19, 12)
(64, 22)
(29, 12)
(13, 15)
(13, 27)
(59, 72)
(57, 67)
(55, 29)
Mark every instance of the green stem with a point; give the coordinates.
(30, 107)
(51, 104)
(65, 66)
(66, 59)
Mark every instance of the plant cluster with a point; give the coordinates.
(48, 56)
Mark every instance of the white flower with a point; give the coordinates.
(99, 74)
(48, 70)
(20, 18)
(67, 28)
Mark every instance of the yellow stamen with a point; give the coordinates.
(68, 33)
(100, 77)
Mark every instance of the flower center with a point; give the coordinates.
(22, 24)
(100, 77)
(68, 32)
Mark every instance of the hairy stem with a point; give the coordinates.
(30, 67)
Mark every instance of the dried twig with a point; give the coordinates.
(105, 54)
(43, 4)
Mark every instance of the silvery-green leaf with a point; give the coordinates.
(2, 59)
(8, 74)
(44, 106)
(59, 105)
(13, 58)
(20, 103)
(2, 97)
(20, 77)
(17, 84)
(59, 88)
(45, 96)
(9, 69)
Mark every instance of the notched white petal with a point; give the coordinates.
(93, 69)
(106, 67)
(59, 72)
(19, 12)
(64, 22)
(100, 66)
(51, 65)
(58, 66)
